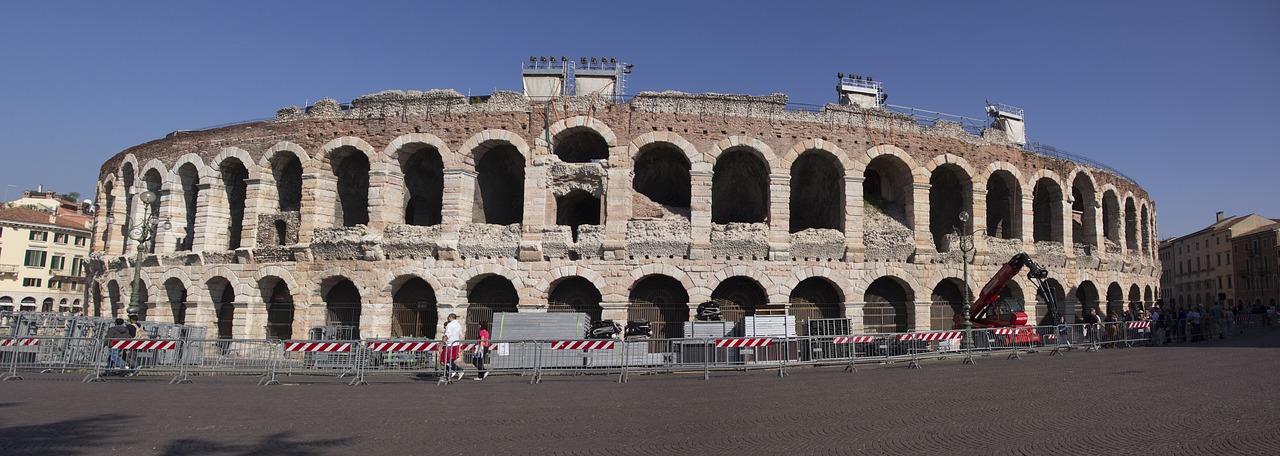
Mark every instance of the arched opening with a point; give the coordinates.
(1115, 299)
(885, 306)
(577, 208)
(949, 195)
(63, 307)
(342, 307)
(46, 305)
(578, 295)
(234, 175)
(1087, 299)
(152, 180)
(287, 170)
(1047, 211)
(1135, 298)
(1059, 297)
(1146, 232)
(1084, 225)
(351, 167)
(947, 304)
(662, 175)
(281, 232)
(742, 297)
(6, 304)
(887, 202)
(113, 295)
(424, 187)
(28, 304)
(500, 186)
(490, 295)
(108, 206)
(580, 145)
(223, 295)
(814, 300)
(1111, 217)
(413, 310)
(1147, 296)
(176, 291)
(279, 302)
(1130, 225)
(190, 178)
(127, 177)
(817, 192)
(739, 188)
(663, 302)
(1004, 202)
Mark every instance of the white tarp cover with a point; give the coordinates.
(1013, 129)
(543, 86)
(586, 86)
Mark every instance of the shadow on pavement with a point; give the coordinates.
(274, 444)
(67, 437)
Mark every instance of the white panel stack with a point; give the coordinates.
(769, 326)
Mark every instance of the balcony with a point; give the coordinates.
(8, 269)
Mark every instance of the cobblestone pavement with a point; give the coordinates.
(1217, 397)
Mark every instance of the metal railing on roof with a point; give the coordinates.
(1054, 152)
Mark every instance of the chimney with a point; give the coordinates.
(1219, 216)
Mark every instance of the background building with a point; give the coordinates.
(42, 260)
(400, 207)
(1257, 267)
(1198, 268)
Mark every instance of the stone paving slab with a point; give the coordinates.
(1217, 397)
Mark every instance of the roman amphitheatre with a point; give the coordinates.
(395, 209)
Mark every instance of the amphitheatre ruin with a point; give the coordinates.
(391, 211)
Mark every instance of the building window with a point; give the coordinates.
(55, 284)
(80, 241)
(1219, 282)
(76, 264)
(57, 263)
(1228, 282)
(30, 282)
(35, 258)
(74, 286)
(60, 238)
(39, 236)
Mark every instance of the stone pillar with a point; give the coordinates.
(918, 212)
(978, 224)
(854, 312)
(616, 311)
(211, 218)
(779, 217)
(537, 200)
(617, 211)
(319, 200)
(920, 315)
(167, 240)
(459, 202)
(855, 248)
(375, 319)
(700, 211)
(254, 205)
(1028, 223)
(386, 200)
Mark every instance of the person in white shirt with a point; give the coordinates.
(453, 347)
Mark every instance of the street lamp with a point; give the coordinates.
(141, 232)
(966, 248)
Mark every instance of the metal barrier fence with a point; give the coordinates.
(537, 359)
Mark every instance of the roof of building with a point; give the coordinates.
(1269, 227)
(26, 215)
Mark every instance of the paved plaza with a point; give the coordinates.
(1217, 397)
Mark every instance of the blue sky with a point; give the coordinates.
(1181, 96)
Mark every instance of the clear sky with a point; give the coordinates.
(1181, 96)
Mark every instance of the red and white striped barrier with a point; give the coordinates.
(335, 347)
(144, 344)
(949, 335)
(1139, 324)
(852, 339)
(403, 346)
(19, 342)
(582, 345)
(1006, 331)
(733, 343)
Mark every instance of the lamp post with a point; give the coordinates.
(141, 232)
(966, 248)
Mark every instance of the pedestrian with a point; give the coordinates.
(1193, 317)
(452, 348)
(130, 357)
(118, 332)
(481, 352)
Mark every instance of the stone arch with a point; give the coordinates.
(500, 174)
(817, 191)
(488, 294)
(946, 303)
(414, 141)
(1043, 312)
(579, 140)
(244, 157)
(422, 165)
(801, 273)
(351, 165)
(576, 208)
(474, 148)
(686, 282)
(286, 162)
(1047, 207)
(740, 186)
(415, 307)
(1004, 205)
(788, 159)
(888, 189)
(129, 186)
(1130, 223)
(554, 276)
(816, 297)
(663, 301)
(1087, 297)
(1111, 215)
(1135, 297)
(741, 296)
(950, 194)
(344, 301)
(887, 305)
(661, 170)
(233, 173)
(759, 276)
(1144, 225)
(278, 302)
(575, 294)
(221, 293)
(753, 146)
(1084, 207)
(157, 166)
(1147, 296)
(1115, 299)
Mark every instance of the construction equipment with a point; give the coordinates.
(990, 311)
